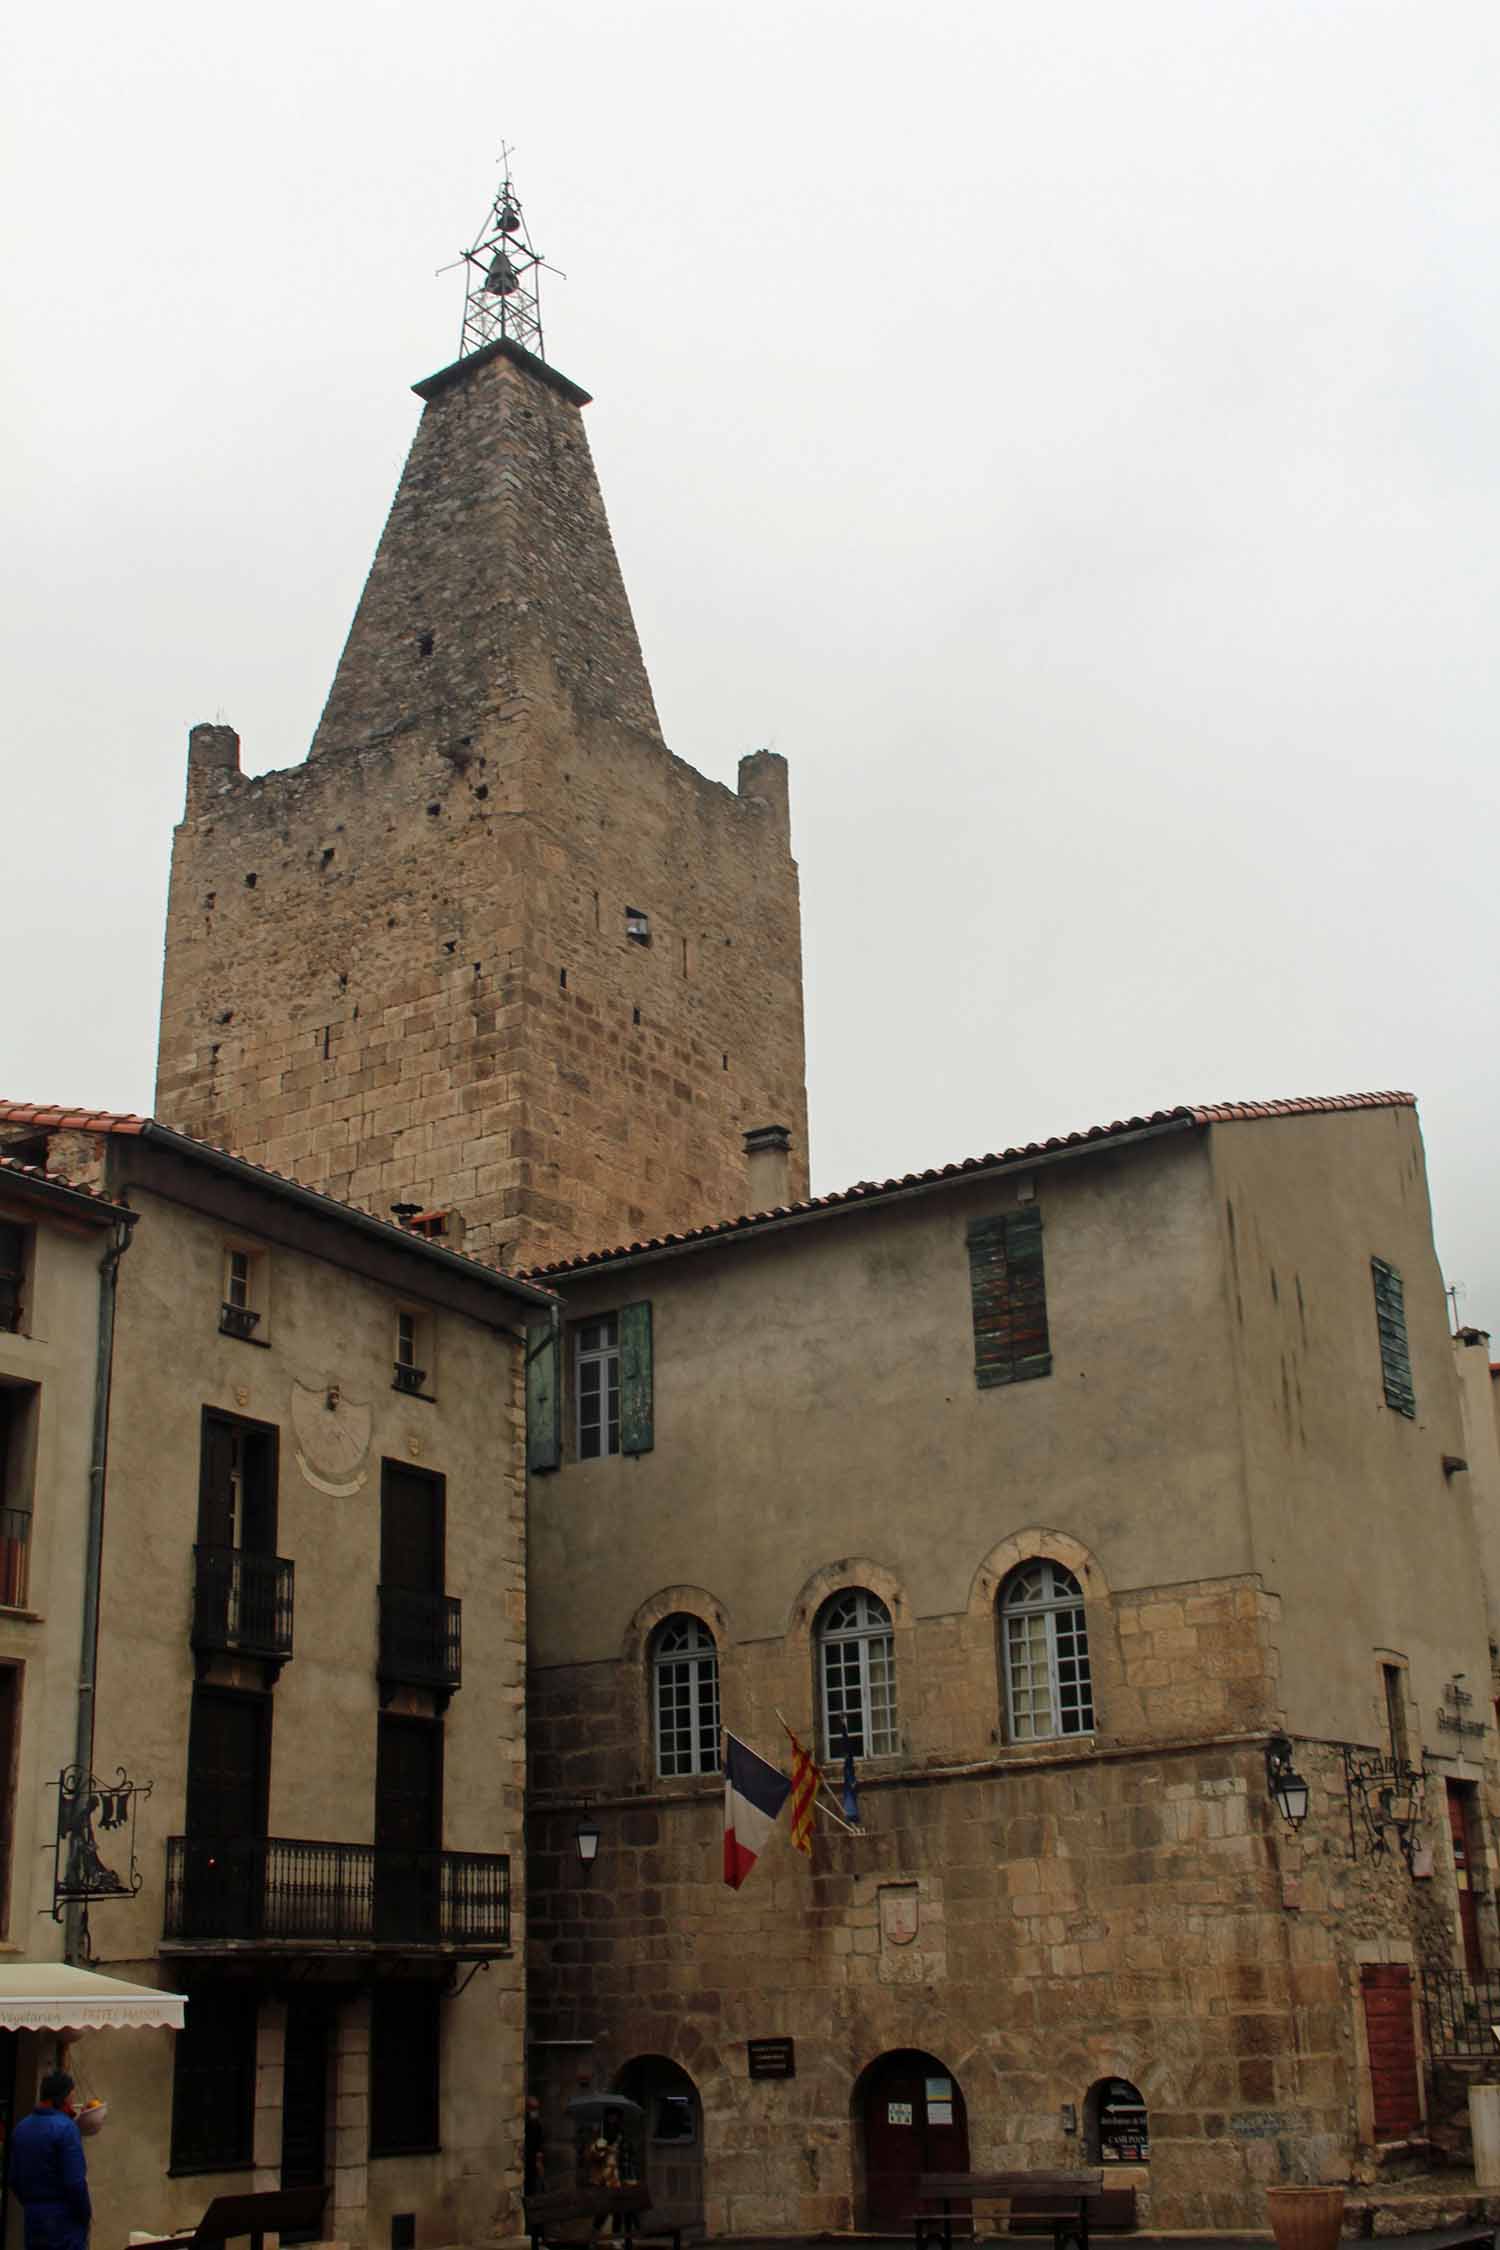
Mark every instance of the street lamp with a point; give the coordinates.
(586, 1837)
(1285, 1783)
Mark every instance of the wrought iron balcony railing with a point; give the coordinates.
(15, 1556)
(242, 1603)
(421, 1639)
(271, 1890)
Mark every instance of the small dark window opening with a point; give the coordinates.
(226, 1015)
(249, 882)
(635, 1015)
(562, 980)
(1395, 1712)
(403, 2230)
(327, 1037)
(213, 2083)
(327, 855)
(431, 1225)
(14, 1243)
(424, 645)
(433, 810)
(726, 1062)
(637, 926)
(405, 2039)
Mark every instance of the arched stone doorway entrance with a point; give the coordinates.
(671, 2131)
(910, 2116)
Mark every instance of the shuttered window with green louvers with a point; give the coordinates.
(1009, 1294)
(637, 1413)
(543, 1394)
(1395, 1353)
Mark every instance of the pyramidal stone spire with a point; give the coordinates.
(492, 954)
(496, 578)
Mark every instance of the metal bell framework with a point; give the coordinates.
(501, 283)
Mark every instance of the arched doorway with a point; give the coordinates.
(671, 2132)
(912, 2120)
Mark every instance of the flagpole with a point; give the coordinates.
(826, 1810)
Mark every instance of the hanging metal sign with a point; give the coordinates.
(88, 1809)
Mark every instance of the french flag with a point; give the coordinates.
(754, 1794)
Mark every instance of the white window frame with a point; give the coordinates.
(685, 1664)
(599, 1437)
(856, 1647)
(1044, 1655)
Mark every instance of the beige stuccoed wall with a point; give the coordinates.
(57, 1349)
(815, 1398)
(1353, 1514)
(1479, 1402)
(325, 1326)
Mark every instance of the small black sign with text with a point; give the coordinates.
(771, 2058)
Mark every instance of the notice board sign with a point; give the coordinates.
(772, 2058)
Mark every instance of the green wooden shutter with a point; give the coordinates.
(543, 1393)
(1395, 1354)
(637, 1433)
(1009, 1292)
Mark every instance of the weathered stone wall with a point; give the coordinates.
(401, 971)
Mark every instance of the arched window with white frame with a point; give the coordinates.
(1044, 1654)
(685, 1697)
(857, 1675)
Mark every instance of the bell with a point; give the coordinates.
(502, 279)
(509, 218)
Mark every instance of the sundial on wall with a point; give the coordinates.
(333, 1439)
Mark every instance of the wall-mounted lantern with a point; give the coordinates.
(1286, 1785)
(586, 1837)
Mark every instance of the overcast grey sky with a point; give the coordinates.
(1070, 433)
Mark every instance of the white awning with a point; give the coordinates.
(51, 1996)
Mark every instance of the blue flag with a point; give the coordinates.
(850, 1797)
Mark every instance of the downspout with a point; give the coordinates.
(75, 1939)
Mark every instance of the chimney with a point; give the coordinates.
(768, 1166)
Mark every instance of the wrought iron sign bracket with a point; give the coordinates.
(86, 1809)
(1384, 1794)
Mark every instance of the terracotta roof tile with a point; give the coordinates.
(12, 1167)
(864, 1191)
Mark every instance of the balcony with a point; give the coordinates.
(421, 1640)
(15, 1556)
(242, 1604)
(305, 1897)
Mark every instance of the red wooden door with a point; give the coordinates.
(914, 2122)
(1463, 1861)
(1393, 2049)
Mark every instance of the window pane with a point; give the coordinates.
(213, 2083)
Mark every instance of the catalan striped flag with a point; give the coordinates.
(804, 1789)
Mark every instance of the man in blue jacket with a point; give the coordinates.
(47, 2171)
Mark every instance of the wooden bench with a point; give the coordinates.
(550, 2216)
(1066, 2205)
(228, 2217)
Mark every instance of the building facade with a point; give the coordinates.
(492, 952)
(1081, 1492)
(58, 1247)
(310, 1646)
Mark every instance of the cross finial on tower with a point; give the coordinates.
(501, 292)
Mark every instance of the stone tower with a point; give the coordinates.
(492, 950)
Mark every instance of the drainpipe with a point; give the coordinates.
(75, 1940)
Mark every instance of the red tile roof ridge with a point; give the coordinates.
(1214, 1113)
